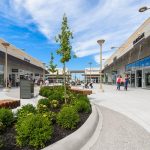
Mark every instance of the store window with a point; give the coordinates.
(147, 77)
(138, 64)
(1, 75)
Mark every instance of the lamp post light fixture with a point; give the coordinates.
(142, 9)
(6, 45)
(113, 47)
(90, 63)
(101, 42)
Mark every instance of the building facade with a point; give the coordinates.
(132, 58)
(92, 75)
(19, 65)
(58, 76)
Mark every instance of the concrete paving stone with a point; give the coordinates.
(134, 103)
(121, 133)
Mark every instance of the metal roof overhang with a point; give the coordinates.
(20, 61)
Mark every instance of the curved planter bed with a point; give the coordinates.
(84, 137)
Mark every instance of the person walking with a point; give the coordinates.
(91, 85)
(46, 82)
(118, 82)
(126, 81)
(17, 82)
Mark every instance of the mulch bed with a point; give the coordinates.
(10, 142)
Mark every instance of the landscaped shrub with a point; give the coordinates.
(1, 143)
(2, 127)
(68, 118)
(52, 93)
(58, 94)
(6, 116)
(54, 104)
(82, 97)
(82, 106)
(51, 116)
(44, 101)
(72, 97)
(43, 91)
(34, 130)
(26, 109)
(42, 108)
(66, 105)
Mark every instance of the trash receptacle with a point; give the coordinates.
(26, 89)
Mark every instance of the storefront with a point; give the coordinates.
(139, 73)
(1, 75)
(20, 65)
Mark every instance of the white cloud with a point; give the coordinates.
(112, 20)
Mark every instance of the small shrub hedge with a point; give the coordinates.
(6, 117)
(25, 110)
(82, 106)
(51, 116)
(2, 127)
(1, 143)
(68, 118)
(34, 130)
(44, 101)
(42, 108)
(54, 104)
(52, 92)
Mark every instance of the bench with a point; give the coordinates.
(81, 91)
(9, 103)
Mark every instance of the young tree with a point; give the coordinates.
(52, 66)
(65, 47)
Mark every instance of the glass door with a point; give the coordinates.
(132, 79)
(147, 80)
(139, 78)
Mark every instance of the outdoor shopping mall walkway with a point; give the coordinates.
(134, 103)
(126, 117)
(119, 131)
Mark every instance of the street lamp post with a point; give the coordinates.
(90, 70)
(100, 42)
(142, 9)
(5, 76)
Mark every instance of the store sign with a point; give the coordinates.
(138, 39)
(14, 70)
(37, 74)
(27, 60)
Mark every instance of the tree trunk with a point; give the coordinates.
(65, 83)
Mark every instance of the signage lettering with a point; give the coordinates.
(138, 39)
(27, 60)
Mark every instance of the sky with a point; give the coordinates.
(32, 25)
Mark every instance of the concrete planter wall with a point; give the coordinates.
(84, 137)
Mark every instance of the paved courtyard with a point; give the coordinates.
(126, 116)
(119, 131)
(14, 94)
(134, 103)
